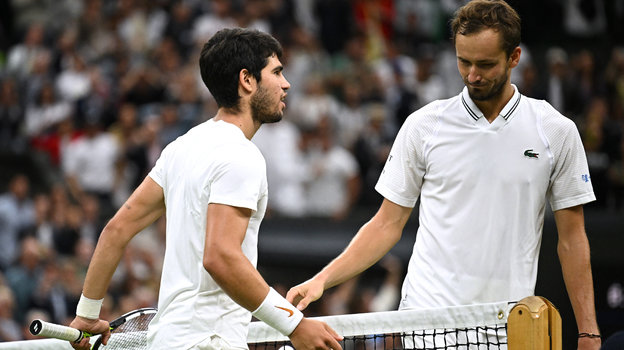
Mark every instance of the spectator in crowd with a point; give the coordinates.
(371, 151)
(22, 56)
(179, 26)
(66, 230)
(335, 23)
(89, 166)
(306, 59)
(286, 172)
(428, 85)
(594, 134)
(24, 276)
(396, 72)
(586, 83)
(351, 115)
(219, 16)
(9, 328)
(558, 86)
(185, 95)
(42, 229)
(74, 82)
(17, 213)
(56, 291)
(333, 184)
(171, 125)
(11, 118)
(46, 113)
(314, 104)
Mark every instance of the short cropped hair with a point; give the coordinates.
(227, 53)
(478, 15)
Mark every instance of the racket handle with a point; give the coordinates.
(52, 330)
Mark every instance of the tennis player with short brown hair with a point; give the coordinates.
(483, 165)
(211, 185)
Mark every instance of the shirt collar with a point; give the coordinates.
(475, 113)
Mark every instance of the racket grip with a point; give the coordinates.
(52, 330)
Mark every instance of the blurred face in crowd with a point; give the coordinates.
(20, 187)
(267, 103)
(483, 64)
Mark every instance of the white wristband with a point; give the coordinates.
(89, 308)
(278, 313)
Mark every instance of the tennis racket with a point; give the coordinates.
(129, 331)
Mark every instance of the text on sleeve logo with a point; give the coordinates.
(585, 177)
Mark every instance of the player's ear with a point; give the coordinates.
(246, 80)
(514, 58)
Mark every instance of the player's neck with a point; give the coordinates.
(242, 119)
(491, 108)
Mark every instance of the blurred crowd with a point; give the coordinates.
(97, 88)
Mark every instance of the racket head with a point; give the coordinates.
(129, 331)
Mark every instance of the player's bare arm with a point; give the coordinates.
(230, 268)
(370, 244)
(224, 258)
(143, 207)
(573, 249)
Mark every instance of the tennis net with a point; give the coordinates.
(532, 323)
(482, 326)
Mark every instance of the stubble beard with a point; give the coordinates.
(495, 91)
(262, 109)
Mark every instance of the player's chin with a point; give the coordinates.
(478, 94)
(273, 119)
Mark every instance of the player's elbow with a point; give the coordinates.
(209, 263)
(113, 233)
(214, 261)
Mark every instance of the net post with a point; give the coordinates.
(534, 323)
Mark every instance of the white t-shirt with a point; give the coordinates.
(92, 161)
(483, 189)
(212, 163)
(327, 192)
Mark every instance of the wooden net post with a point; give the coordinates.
(534, 324)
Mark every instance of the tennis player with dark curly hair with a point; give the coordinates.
(211, 185)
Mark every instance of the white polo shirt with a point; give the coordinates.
(212, 163)
(483, 189)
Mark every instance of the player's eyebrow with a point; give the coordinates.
(481, 61)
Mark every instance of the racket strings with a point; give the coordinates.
(131, 335)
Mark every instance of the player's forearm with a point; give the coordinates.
(369, 245)
(573, 250)
(237, 277)
(576, 267)
(106, 257)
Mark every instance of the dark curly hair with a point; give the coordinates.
(227, 53)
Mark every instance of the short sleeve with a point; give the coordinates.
(402, 176)
(158, 173)
(238, 179)
(570, 182)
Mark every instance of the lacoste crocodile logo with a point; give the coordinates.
(290, 312)
(529, 153)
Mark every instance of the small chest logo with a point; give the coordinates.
(529, 153)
